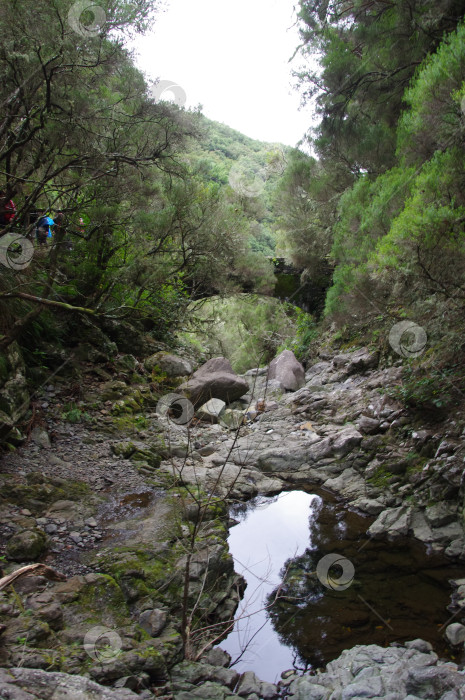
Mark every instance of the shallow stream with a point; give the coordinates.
(294, 617)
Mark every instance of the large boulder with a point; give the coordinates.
(287, 371)
(215, 379)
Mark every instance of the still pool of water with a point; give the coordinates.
(289, 619)
(266, 536)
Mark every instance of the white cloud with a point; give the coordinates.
(231, 57)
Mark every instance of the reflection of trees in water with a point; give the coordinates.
(289, 614)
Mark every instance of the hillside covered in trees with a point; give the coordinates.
(160, 205)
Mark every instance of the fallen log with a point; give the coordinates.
(31, 570)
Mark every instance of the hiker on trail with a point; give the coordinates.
(43, 229)
(7, 209)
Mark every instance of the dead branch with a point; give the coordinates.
(32, 570)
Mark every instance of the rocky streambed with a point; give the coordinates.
(132, 507)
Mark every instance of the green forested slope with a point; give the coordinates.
(161, 205)
(382, 206)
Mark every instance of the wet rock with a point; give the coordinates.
(171, 365)
(153, 621)
(287, 371)
(27, 545)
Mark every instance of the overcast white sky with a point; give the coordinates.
(231, 56)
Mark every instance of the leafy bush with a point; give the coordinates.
(427, 391)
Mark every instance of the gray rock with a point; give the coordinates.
(369, 505)
(455, 633)
(211, 411)
(392, 522)
(35, 684)
(27, 545)
(217, 657)
(419, 645)
(256, 372)
(368, 425)
(432, 681)
(231, 419)
(345, 442)
(441, 514)
(214, 380)
(356, 362)
(306, 688)
(287, 371)
(153, 621)
(349, 483)
(172, 365)
(249, 683)
(40, 437)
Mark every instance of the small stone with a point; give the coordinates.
(75, 536)
(40, 437)
(91, 522)
(455, 633)
(153, 621)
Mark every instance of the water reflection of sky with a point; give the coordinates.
(261, 543)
